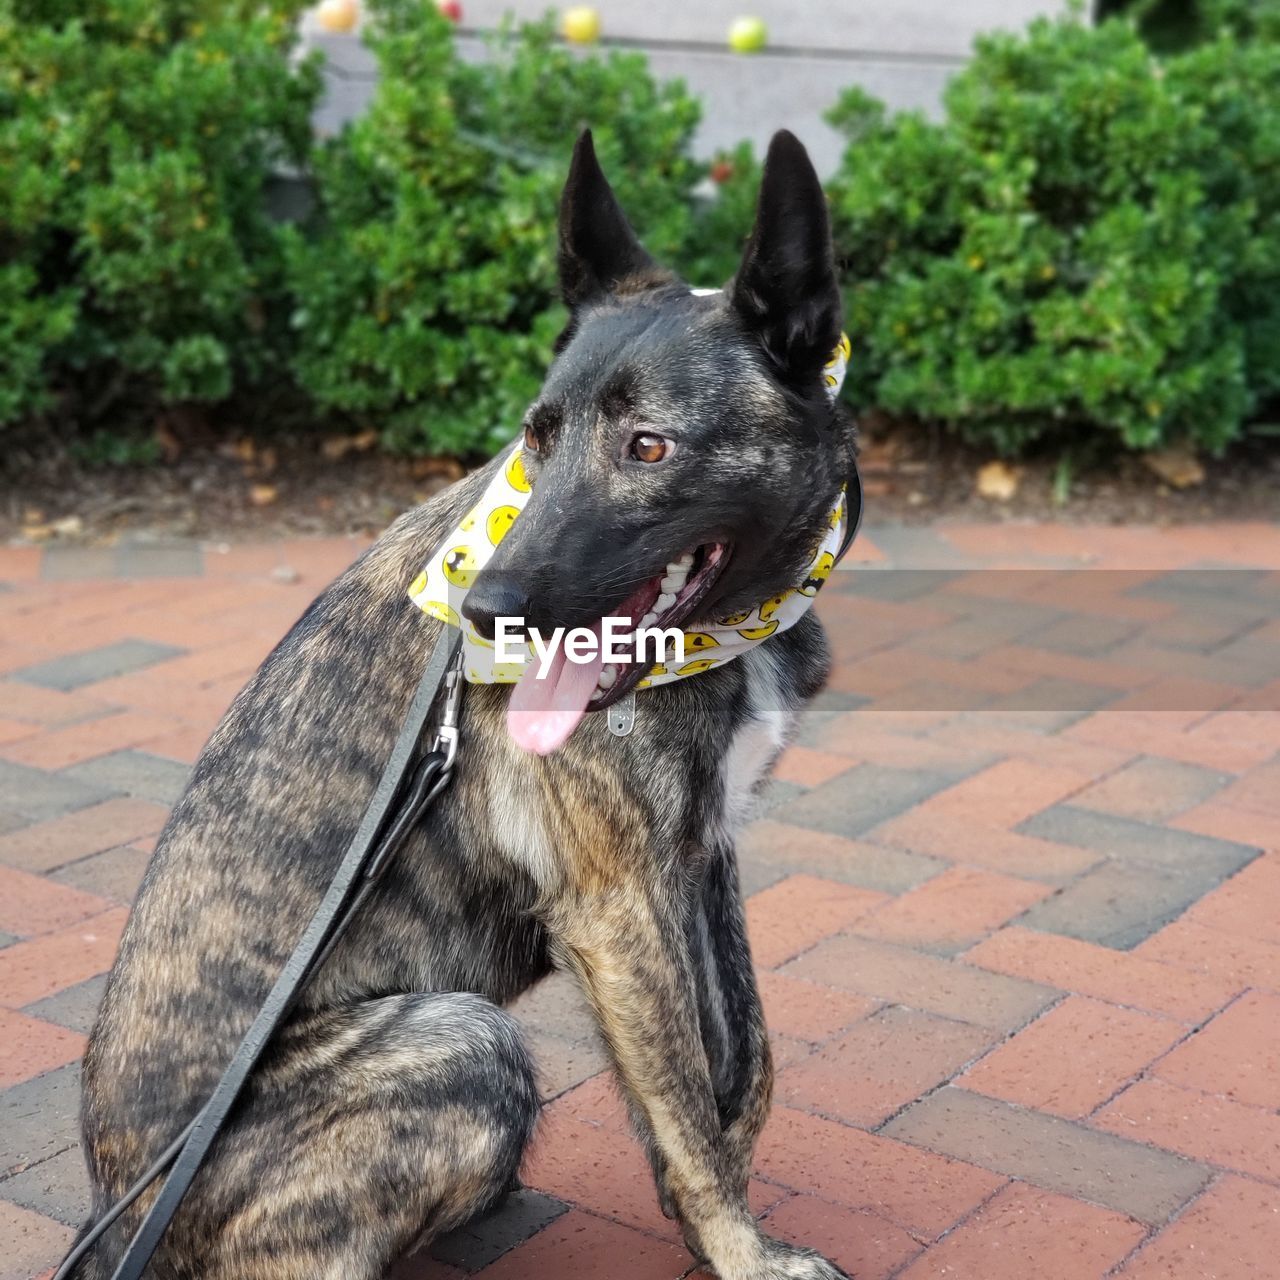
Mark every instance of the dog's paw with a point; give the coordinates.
(790, 1262)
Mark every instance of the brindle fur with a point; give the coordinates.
(399, 1099)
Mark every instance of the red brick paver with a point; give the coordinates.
(42, 966)
(75, 743)
(1022, 1231)
(985, 846)
(809, 768)
(1005, 794)
(33, 1243)
(1123, 978)
(51, 844)
(580, 1244)
(902, 976)
(863, 1244)
(1236, 1054)
(1074, 1058)
(1198, 1125)
(1246, 903)
(1238, 961)
(970, 1085)
(1231, 1233)
(884, 1063)
(31, 905)
(922, 1192)
(808, 1010)
(952, 910)
(29, 1047)
(791, 916)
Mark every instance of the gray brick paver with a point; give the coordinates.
(1059, 1155)
(134, 773)
(73, 670)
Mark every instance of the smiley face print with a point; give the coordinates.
(460, 566)
(697, 641)
(442, 612)
(698, 665)
(818, 574)
(499, 523)
(770, 607)
(515, 473)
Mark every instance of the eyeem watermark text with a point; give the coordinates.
(617, 642)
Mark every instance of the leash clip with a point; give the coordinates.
(446, 739)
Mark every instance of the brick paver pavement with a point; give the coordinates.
(1014, 899)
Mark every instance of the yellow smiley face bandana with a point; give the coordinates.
(440, 589)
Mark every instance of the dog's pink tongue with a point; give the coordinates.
(543, 713)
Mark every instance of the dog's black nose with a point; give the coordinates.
(493, 596)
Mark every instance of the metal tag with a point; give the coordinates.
(622, 715)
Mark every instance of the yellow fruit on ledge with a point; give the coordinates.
(748, 35)
(581, 24)
(338, 16)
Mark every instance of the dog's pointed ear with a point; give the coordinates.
(598, 250)
(786, 290)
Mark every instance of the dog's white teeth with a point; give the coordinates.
(673, 581)
(607, 677)
(648, 620)
(664, 602)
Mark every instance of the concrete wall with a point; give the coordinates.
(902, 51)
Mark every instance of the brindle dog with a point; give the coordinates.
(399, 1099)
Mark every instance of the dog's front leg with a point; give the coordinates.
(630, 946)
(733, 1026)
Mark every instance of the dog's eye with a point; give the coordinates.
(649, 448)
(530, 440)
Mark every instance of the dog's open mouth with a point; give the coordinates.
(666, 600)
(545, 710)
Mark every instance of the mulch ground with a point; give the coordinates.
(245, 489)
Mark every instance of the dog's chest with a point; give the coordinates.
(755, 744)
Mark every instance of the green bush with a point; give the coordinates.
(140, 266)
(1084, 250)
(1169, 25)
(426, 296)
(1087, 244)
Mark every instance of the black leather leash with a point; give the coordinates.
(392, 812)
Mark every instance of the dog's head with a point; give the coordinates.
(684, 452)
